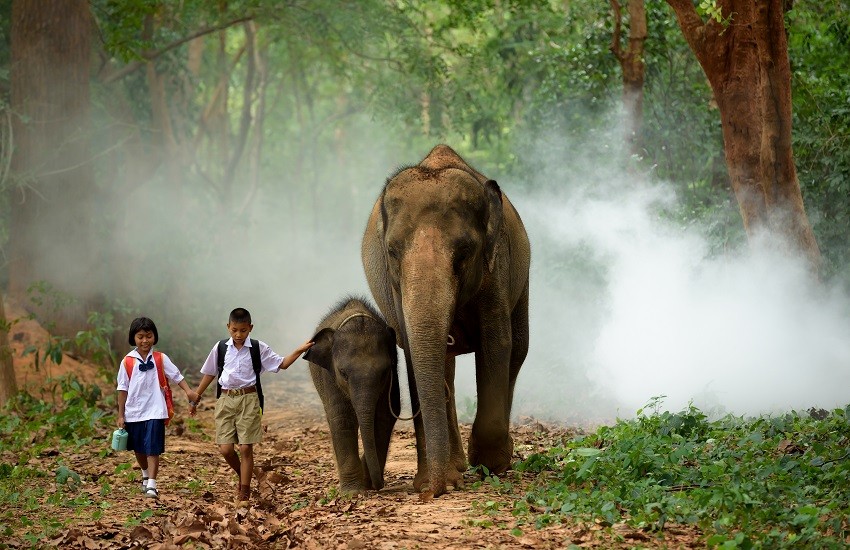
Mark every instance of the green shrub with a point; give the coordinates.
(778, 481)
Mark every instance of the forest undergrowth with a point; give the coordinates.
(769, 482)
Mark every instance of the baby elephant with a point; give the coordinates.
(354, 368)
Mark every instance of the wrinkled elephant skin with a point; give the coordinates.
(353, 364)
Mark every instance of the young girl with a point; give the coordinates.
(141, 404)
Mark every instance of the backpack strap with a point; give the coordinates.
(163, 384)
(160, 370)
(129, 363)
(220, 352)
(258, 367)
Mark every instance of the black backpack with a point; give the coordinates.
(255, 360)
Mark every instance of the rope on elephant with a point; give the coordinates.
(352, 316)
(390, 400)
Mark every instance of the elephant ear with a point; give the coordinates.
(391, 344)
(494, 222)
(320, 352)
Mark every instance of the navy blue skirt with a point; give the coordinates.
(146, 437)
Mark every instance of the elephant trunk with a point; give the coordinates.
(428, 304)
(365, 411)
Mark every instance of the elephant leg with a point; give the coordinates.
(490, 443)
(385, 420)
(342, 422)
(456, 454)
(352, 472)
(454, 477)
(520, 334)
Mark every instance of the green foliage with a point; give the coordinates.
(64, 475)
(778, 482)
(30, 428)
(93, 343)
(819, 48)
(122, 25)
(710, 9)
(497, 80)
(33, 424)
(96, 342)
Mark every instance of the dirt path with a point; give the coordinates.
(296, 505)
(296, 480)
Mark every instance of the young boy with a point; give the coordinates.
(237, 410)
(141, 405)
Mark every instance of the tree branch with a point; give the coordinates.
(615, 39)
(247, 92)
(151, 55)
(691, 24)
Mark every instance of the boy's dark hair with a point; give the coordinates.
(240, 315)
(138, 325)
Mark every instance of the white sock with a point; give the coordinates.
(151, 483)
(144, 474)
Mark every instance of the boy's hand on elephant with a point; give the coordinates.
(304, 347)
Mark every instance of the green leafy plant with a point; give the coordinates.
(134, 521)
(771, 481)
(96, 341)
(710, 9)
(53, 350)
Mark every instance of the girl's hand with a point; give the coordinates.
(193, 408)
(193, 396)
(121, 422)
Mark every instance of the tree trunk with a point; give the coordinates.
(8, 383)
(52, 234)
(747, 66)
(633, 67)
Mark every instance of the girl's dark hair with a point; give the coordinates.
(240, 315)
(139, 324)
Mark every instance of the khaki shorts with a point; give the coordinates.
(237, 419)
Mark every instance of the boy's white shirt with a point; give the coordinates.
(144, 395)
(238, 371)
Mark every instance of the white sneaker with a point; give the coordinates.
(144, 484)
(151, 493)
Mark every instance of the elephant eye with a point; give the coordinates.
(393, 250)
(463, 251)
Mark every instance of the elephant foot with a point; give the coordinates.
(422, 480)
(459, 463)
(419, 480)
(496, 458)
(370, 486)
(350, 489)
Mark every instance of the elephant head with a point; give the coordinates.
(356, 358)
(438, 262)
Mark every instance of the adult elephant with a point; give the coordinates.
(447, 258)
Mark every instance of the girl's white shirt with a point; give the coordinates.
(238, 371)
(145, 400)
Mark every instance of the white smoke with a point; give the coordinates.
(628, 305)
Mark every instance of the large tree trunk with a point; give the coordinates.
(633, 68)
(747, 66)
(8, 383)
(52, 230)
